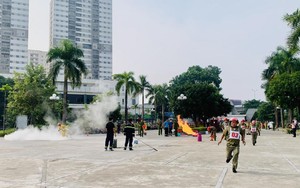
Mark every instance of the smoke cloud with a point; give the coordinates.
(34, 133)
(93, 117)
(96, 115)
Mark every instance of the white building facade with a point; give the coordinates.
(14, 16)
(37, 57)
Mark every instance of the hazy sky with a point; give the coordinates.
(162, 38)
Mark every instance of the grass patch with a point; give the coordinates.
(6, 131)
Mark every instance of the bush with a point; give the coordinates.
(196, 129)
(7, 131)
(200, 129)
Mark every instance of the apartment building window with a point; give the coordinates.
(133, 101)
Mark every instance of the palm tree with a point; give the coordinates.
(66, 57)
(294, 21)
(128, 81)
(159, 94)
(281, 61)
(152, 93)
(142, 85)
(164, 92)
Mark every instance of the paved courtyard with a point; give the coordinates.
(81, 162)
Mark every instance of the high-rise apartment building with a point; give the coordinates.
(14, 15)
(88, 23)
(37, 57)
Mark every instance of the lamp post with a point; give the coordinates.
(54, 98)
(181, 97)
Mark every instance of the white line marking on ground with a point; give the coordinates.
(291, 163)
(221, 178)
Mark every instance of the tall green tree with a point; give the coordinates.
(127, 80)
(284, 91)
(6, 84)
(159, 96)
(197, 74)
(251, 104)
(67, 57)
(5, 89)
(4, 81)
(153, 97)
(293, 21)
(265, 112)
(203, 102)
(163, 98)
(30, 95)
(142, 85)
(202, 88)
(282, 61)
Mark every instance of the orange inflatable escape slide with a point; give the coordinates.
(185, 126)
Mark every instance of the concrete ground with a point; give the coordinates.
(81, 162)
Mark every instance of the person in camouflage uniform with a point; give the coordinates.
(233, 133)
(213, 129)
(140, 127)
(243, 124)
(159, 126)
(225, 124)
(254, 128)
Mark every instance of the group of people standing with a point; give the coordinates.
(129, 132)
(168, 126)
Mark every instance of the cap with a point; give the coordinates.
(226, 119)
(233, 119)
(243, 120)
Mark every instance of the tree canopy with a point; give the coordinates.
(30, 94)
(127, 80)
(201, 86)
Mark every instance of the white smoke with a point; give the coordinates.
(95, 116)
(33, 133)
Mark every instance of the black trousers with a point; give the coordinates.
(159, 131)
(130, 140)
(166, 131)
(109, 139)
(294, 131)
